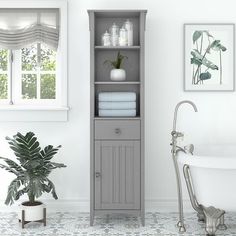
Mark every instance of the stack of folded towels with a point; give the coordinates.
(117, 104)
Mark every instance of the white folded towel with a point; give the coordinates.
(117, 97)
(117, 112)
(117, 105)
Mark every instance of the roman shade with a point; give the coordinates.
(21, 27)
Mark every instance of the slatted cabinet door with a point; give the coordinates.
(117, 175)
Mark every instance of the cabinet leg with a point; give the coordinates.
(142, 215)
(91, 219)
(107, 218)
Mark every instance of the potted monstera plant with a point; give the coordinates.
(31, 169)
(117, 73)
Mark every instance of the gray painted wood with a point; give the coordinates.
(118, 183)
(119, 129)
(142, 111)
(92, 99)
(113, 198)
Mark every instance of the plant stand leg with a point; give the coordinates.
(44, 216)
(23, 219)
(213, 216)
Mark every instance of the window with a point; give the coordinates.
(30, 57)
(33, 60)
(31, 73)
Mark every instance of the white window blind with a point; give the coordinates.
(21, 27)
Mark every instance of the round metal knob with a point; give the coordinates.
(97, 174)
(118, 131)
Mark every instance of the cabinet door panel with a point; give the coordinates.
(117, 174)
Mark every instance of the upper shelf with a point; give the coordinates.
(117, 47)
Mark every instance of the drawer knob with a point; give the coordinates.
(98, 174)
(118, 131)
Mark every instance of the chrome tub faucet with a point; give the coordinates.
(174, 150)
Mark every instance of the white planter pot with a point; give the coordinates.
(118, 74)
(32, 213)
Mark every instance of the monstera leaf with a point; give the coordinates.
(198, 59)
(198, 33)
(217, 46)
(205, 76)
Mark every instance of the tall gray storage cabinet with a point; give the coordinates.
(117, 143)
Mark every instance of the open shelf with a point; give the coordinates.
(104, 22)
(113, 82)
(117, 47)
(131, 65)
(117, 88)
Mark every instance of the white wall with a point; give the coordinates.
(214, 123)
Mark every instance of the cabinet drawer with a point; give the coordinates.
(117, 129)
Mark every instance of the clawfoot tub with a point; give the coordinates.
(210, 174)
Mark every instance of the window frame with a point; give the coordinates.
(61, 103)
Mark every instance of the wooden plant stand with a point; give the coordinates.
(23, 222)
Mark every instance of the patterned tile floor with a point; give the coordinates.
(76, 224)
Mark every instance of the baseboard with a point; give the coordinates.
(82, 205)
(166, 205)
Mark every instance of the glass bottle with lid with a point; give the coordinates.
(106, 39)
(129, 27)
(114, 31)
(123, 37)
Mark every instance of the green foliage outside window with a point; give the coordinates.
(29, 86)
(48, 86)
(3, 75)
(3, 86)
(3, 60)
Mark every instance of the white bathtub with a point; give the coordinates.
(213, 172)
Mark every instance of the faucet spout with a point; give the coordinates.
(177, 108)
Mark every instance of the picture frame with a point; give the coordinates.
(209, 57)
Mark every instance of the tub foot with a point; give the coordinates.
(213, 217)
(222, 225)
(201, 217)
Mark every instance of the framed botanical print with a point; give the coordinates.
(209, 57)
